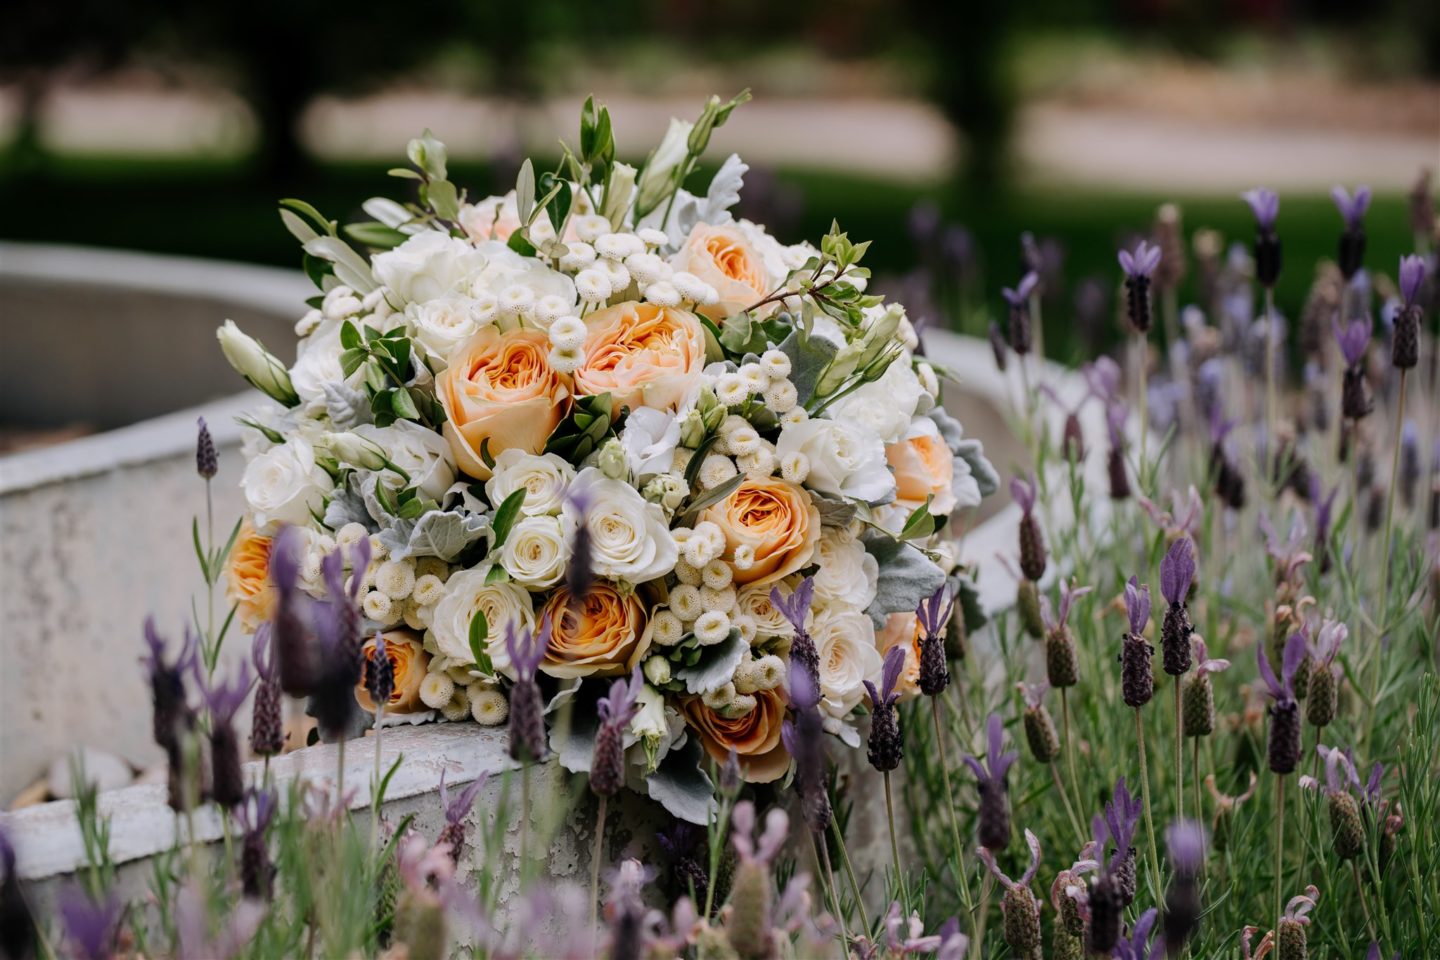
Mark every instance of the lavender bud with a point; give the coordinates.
(1022, 920)
(1346, 827)
(1197, 704)
(886, 746)
(1229, 482)
(227, 779)
(999, 347)
(1284, 741)
(379, 673)
(1355, 399)
(934, 671)
(1115, 470)
(1062, 665)
(1175, 639)
(1409, 463)
(994, 815)
(1027, 605)
(1405, 345)
(1375, 509)
(1267, 257)
(527, 723)
(1324, 695)
(1072, 440)
(207, 461)
(1021, 335)
(257, 873)
(267, 733)
(1071, 921)
(1137, 682)
(1065, 945)
(1126, 878)
(1137, 302)
(1435, 510)
(1032, 548)
(1351, 256)
(1040, 734)
(730, 780)
(956, 645)
(1106, 908)
(607, 771)
(1291, 940)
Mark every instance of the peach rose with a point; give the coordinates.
(247, 578)
(923, 467)
(774, 521)
(408, 661)
(903, 629)
(641, 354)
(499, 387)
(603, 635)
(755, 736)
(722, 257)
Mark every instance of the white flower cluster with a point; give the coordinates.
(611, 375)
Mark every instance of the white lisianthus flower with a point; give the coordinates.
(536, 552)
(845, 641)
(884, 406)
(317, 363)
(284, 485)
(467, 593)
(419, 451)
(848, 573)
(846, 460)
(544, 478)
(629, 536)
(442, 325)
(655, 178)
(251, 360)
(649, 440)
(428, 266)
(518, 283)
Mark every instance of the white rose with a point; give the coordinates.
(284, 485)
(428, 266)
(536, 552)
(846, 460)
(629, 537)
(441, 325)
(467, 593)
(753, 601)
(848, 573)
(544, 478)
(649, 440)
(885, 406)
(317, 363)
(419, 451)
(845, 641)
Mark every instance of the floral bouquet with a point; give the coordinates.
(598, 427)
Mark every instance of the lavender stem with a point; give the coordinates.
(1380, 620)
(950, 808)
(1149, 820)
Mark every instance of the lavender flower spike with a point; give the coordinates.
(1265, 204)
(1021, 294)
(1023, 490)
(804, 740)
(1177, 571)
(1282, 690)
(1122, 814)
(616, 709)
(1033, 843)
(456, 810)
(886, 744)
(1412, 276)
(90, 927)
(1354, 338)
(1137, 605)
(1352, 209)
(1138, 946)
(1142, 262)
(994, 804)
(796, 609)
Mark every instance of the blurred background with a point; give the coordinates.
(941, 131)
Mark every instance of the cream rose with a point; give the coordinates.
(629, 537)
(845, 640)
(643, 355)
(428, 266)
(247, 578)
(723, 257)
(467, 593)
(408, 664)
(441, 326)
(846, 460)
(753, 601)
(754, 735)
(602, 635)
(847, 572)
(499, 387)
(421, 452)
(284, 485)
(544, 477)
(924, 466)
(883, 407)
(775, 520)
(535, 552)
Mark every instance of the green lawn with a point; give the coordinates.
(217, 210)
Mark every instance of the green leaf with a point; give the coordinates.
(715, 665)
(906, 576)
(559, 206)
(403, 406)
(497, 574)
(316, 269)
(525, 190)
(485, 455)
(681, 786)
(715, 494)
(479, 633)
(374, 235)
(443, 199)
(505, 516)
(316, 218)
(920, 524)
(404, 173)
(350, 336)
(587, 126)
(351, 360)
(199, 550)
(521, 244)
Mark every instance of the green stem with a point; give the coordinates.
(1143, 400)
(1069, 754)
(1195, 777)
(895, 843)
(1279, 846)
(1270, 401)
(595, 865)
(822, 862)
(849, 874)
(961, 878)
(1179, 757)
(1383, 613)
(1149, 820)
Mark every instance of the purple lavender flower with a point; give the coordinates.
(456, 809)
(1265, 204)
(1177, 574)
(886, 746)
(267, 731)
(1137, 680)
(1138, 946)
(796, 610)
(90, 927)
(1137, 605)
(1142, 262)
(1352, 238)
(580, 573)
(616, 709)
(1138, 267)
(1040, 733)
(906, 936)
(223, 701)
(1186, 842)
(1032, 542)
(1352, 209)
(1412, 278)
(1021, 333)
(1197, 696)
(527, 713)
(1109, 893)
(1062, 664)
(255, 815)
(932, 615)
(1021, 909)
(1354, 338)
(1284, 741)
(1115, 469)
(1324, 513)
(207, 461)
(1405, 343)
(379, 674)
(990, 776)
(173, 716)
(1122, 814)
(998, 346)
(804, 740)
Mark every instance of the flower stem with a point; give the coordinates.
(943, 753)
(1195, 777)
(1279, 845)
(1069, 753)
(849, 874)
(1364, 904)
(524, 824)
(822, 862)
(895, 842)
(1179, 757)
(1143, 372)
(1383, 612)
(1145, 792)
(1270, 401)
(595, 864)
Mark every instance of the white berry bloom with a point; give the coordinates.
(652, 237)
(744, 557)
(666, 628)
(578, 256)
(545, 478)
(618, 246)
(715, 470)
(516, 298)
(459, 706)
(743, 440)
(730, 390)
(758, 463)
(488, 705)
(565, 361)
(284, 485)
(775, 363)
(421, 452)
(845, 641)
(717, 574)
(550, 308)
(428, 265)
(721, 598)
(885, 406)
(694, 289)
(846, 460)
(432, 566)
(646, 268)
(847, 572)
(711, 627)
(567, 333)
(376, 606)
(791, 417)
(629, 537)
(618, 276)
(684, 571)
(536, 551)
(436, 690)
(795, 467)
(395, 579)
(685, 602)
(591, 227)
(593, 285)
(428, 590)
(754, 378)
(350, 534)
(663, 293)
(781, 396)
(306, 325)
(467, 593)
